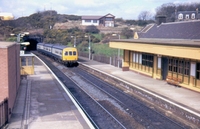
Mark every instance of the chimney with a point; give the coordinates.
(161, 19)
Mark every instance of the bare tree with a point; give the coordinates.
(144, 15)
(167, 10)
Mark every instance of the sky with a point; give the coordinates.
(126, 9)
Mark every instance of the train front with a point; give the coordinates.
(70, 56)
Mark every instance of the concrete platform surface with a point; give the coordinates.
(43, 104)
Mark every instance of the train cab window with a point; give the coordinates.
(74, 52)
(66, 53)
(70, 53)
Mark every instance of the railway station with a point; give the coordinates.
(161, 53)
(33, 96)
(36, 106)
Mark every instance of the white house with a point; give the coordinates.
(107, 20)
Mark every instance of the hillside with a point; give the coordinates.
(49, 22)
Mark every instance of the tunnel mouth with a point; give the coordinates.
(32, 46)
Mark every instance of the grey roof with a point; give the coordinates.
(96, 17)
(173, 42)
(173, 30)
(91, 17)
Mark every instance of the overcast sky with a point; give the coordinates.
(126, 9)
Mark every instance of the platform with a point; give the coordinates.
(186, 98)
(42, 103)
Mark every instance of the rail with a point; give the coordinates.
(3, 112)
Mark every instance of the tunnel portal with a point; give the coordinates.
(33, 42)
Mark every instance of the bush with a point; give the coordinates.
(92, 29)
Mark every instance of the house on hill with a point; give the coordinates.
(172, 30)
(106, 21)
(187, 15)
(165, 50)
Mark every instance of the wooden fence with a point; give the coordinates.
(3, 113)
(104, 59)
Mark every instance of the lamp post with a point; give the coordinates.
(89, 47)
(23, 45)
(18, 38)
(20, 35)
(74, 40)
(118, 53)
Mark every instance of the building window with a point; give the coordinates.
(193, 16)
(180, 16)
(187, 67)
(109, 19)
(94, 21)
(175, 65)
(198, 71)
(147, 60)
(180, 66)
(87, 20)
(170, 64)
(133, 57)
(187, 16)
(136, 57)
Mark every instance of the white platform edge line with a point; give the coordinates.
(188, 110)
(66, 90)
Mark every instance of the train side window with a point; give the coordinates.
(70, 53)
(66, 53)
(74, 52)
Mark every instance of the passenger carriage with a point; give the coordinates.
(61, 53)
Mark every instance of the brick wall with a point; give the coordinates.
(3, 73)
(13, 74)
(9, 73)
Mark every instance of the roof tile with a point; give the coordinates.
(174, 30)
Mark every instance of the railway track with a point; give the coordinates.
(136, 113)
(99, 116)
(107, 106)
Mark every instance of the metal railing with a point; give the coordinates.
(3, 112)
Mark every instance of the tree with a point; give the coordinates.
(167, 10)
(127, 32)
(144, 15)
(92, 29)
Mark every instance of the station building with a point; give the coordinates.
(9, 76)
(168, 49)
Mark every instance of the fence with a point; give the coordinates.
(3, 113)
(104, 59)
